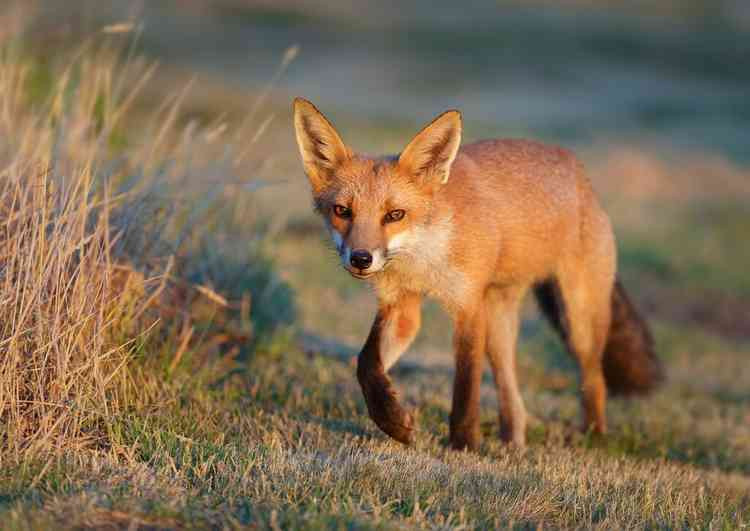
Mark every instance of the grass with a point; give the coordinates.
(286, 440)
(107, 278)
(173, 357)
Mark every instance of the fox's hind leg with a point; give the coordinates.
(502, 333)
(584, 289)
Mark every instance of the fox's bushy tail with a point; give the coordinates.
(629, 362)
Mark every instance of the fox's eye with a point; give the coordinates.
(394, 215)
(342, 211)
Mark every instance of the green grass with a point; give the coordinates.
(698, 249)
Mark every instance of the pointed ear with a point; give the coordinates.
(319, 144)
(432, 151)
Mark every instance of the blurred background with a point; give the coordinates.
(654, 97)
(674, 72)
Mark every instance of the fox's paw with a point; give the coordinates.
(399, 425)
(465, 438)
(384, 407)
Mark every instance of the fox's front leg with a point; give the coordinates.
(396, 324)
(470, 341)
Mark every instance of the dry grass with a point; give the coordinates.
(71, 315)
(95, 244)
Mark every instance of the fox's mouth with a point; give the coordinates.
(362, 267)
(361, 275)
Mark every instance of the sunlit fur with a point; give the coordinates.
(483, 224)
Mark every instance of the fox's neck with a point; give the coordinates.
(420, 262)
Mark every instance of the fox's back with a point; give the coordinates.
(513, 178)
(521, 201)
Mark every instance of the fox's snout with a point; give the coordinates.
(361, 262)
(361, 259)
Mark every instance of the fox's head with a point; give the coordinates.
(374, 207)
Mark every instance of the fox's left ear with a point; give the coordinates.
(432, 151)
(319, 144)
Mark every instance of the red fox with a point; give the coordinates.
(476, 227)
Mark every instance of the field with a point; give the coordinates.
(177, 342)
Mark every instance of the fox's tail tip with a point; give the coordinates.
(630, 364)
(630, 372)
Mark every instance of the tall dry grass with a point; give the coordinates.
(96, 224)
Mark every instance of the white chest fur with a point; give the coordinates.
(418, 260)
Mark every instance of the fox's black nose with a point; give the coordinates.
(361, 259)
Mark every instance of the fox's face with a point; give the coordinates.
(374, 208)
(371, 208)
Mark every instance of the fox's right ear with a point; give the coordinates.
(319, 144)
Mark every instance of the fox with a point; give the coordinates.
(476, 227)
